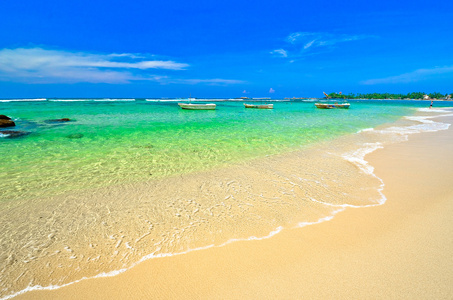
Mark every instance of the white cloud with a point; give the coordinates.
(280, 52)
(131, 55)
(309, 44)
(37, 65)
(292, 38)
(271, 90)
(320, 39)
(417, 75)
(215, 81)
(301, 44)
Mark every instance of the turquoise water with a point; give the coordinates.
(126, 181)
(110, 142)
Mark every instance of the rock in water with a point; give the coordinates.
(13, 133)
(58, 120)
(75, 136)
(6, 123)
(3, 117)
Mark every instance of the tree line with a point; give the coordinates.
(413, 95)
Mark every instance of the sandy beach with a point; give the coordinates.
(399, 250)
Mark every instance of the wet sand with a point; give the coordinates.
(400, 250)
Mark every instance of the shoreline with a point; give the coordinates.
(170, 281)
(284, 99)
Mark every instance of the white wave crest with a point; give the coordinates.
(114, 100)
(23, 100)
(423, 124)
(357, 157)
(69, 100)
(432, 110)
(365, 130)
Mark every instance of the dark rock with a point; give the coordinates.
(75, 136)
(6, 123)
(13, 133)
(58, 120)
(149, 146)
(3, 117)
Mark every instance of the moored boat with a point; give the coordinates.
(197, 106)
(332, 105)
(260, 106)
(342, 105)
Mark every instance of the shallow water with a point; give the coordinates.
(113, 142)
(130, 180)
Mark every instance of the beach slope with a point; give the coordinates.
(399, 250)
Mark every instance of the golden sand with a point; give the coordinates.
(400, 250)
(62, 239)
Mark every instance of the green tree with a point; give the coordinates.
(435, 95)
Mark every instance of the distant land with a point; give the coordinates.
(409, 96)
(339, 95)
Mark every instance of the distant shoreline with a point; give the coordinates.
(208, 99)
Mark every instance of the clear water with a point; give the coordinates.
(125, 181)
(111, 142)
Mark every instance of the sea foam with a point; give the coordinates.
(23, 100)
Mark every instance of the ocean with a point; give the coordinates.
(127, 180)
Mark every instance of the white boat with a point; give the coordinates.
(332, 105)
(195, 106)
(261, 106)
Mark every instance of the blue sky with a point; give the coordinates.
(172, 48)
